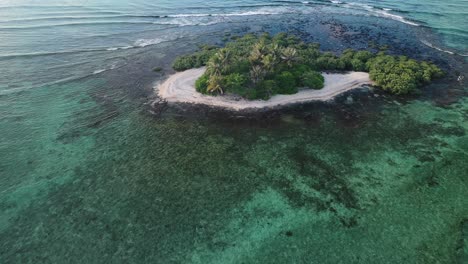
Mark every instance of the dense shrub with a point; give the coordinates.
(330, 62)
(298, 72)
(241, 66)
(363, 55)
(266, 89)
(201, 84)
(250, 94)
(396, 83)
(235, 83)
(401, 75)
(286, 83)
(183, 63)
(196, 60)
(313, 79)
(358, 65)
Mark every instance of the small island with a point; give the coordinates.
(267, 71)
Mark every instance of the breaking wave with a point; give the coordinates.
(371, 10)
(427, 43)
(376, 11)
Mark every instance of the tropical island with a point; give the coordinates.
(282, 69)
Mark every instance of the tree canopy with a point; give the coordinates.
(257, 67)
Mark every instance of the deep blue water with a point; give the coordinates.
(90, 172)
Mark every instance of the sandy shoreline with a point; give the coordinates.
(180, 87)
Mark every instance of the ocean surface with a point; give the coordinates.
(91, 171)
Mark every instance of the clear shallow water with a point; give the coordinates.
(88, 174)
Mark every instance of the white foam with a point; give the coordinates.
(427, 43)
(189, 15)
(210, 19)
(148, 42)
(99, 71)
(113, 66)
(384, 13)
(185, 21)
(247, 13)
(119, 48)
(252, 13)
(380, 13)
(14, 90)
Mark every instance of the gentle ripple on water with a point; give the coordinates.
(87, 174)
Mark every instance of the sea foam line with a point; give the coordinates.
(384, 12)
(103, 23)
(120, 48)
(248, 13)
(140, 43)
(427, 43)
(113, 66)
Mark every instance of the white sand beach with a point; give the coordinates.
(180, 87)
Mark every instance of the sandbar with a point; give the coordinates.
(180, 88)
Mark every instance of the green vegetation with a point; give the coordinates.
(313, 80)
(401, 75)
(257, 67)
(201, 84)
(196, 60)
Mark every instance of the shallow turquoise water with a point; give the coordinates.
(89, 174)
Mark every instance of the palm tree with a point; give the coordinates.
(289, 55)
(269, 62)
(258, 52)
(213, 67)
(219, 63)
(275, 50)
(272, 58)
(214, 84)
(223, 56)
(261, 47)
(257, 73)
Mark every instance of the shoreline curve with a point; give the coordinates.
(180, 88)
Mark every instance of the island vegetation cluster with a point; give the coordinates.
(258, 67)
